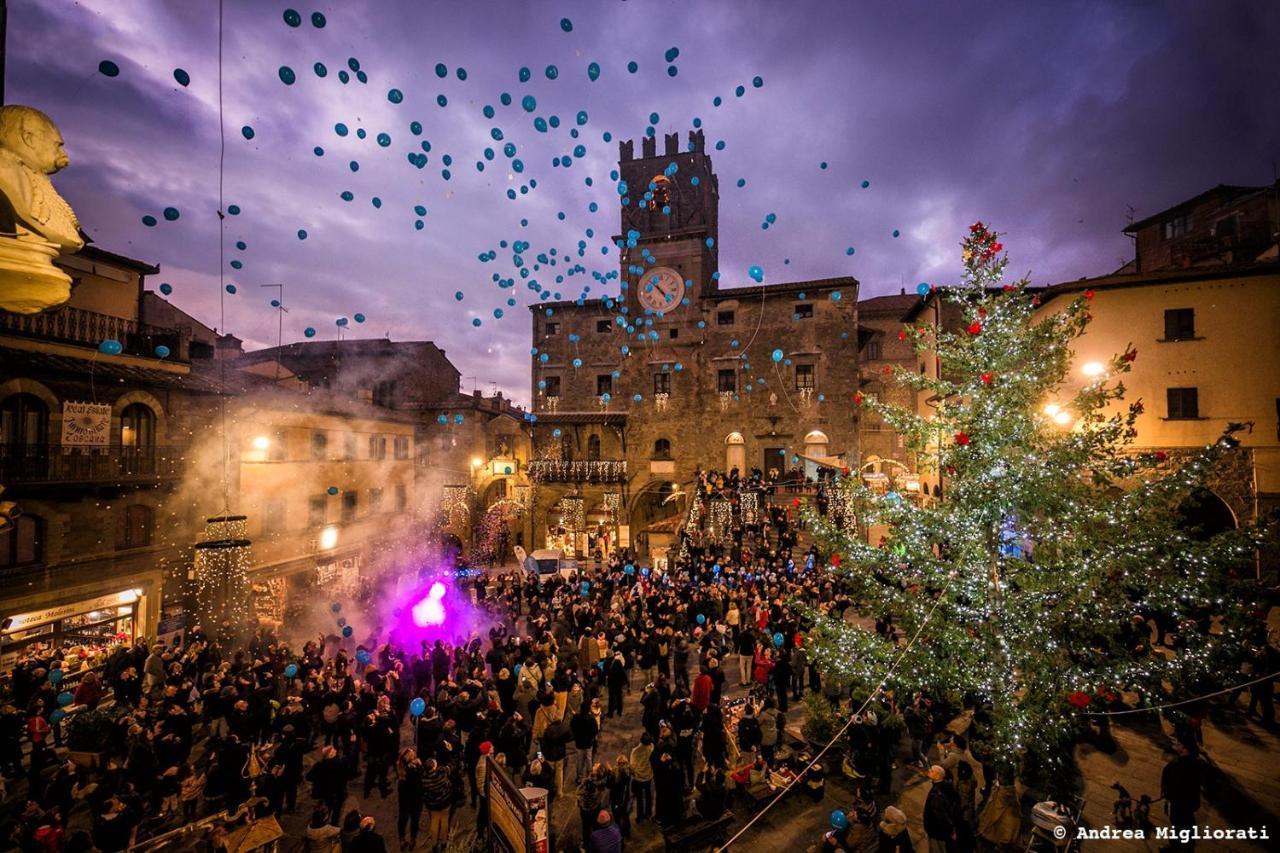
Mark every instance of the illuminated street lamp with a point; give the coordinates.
(261, 442)
(1093, 369)
(328, 538)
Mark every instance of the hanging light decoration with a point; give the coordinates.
(573, 511)
(454, 501)
(222, 561)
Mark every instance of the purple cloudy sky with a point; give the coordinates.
(1046, 119)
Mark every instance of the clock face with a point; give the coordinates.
(661, 289)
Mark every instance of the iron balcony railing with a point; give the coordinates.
(557, 471)
(89, 328)
(56, 463)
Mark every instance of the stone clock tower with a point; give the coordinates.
(673, 212)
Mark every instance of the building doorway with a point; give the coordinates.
(775, 459)
(735, 453)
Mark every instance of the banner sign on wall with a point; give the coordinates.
(86, 424)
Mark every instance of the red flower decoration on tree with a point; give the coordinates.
(962, 439)
(975, 328)
(1079, 699)
(857, 399)
(1161, 456)
(987, 378)
(902, 335)
(1088, 294)
(835, 559)
(1130, 355)
(795, 503)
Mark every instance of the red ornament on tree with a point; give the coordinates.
(1130, 355)
(1079, 699)
(1161, 456)
(987, 377)
(835, 559)
(857, 399)
(975, 328)
(962, 439)
(795, 503)
(902, 336)
(1088, 294)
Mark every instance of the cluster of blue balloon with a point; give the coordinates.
(839, 820)
(347, 630)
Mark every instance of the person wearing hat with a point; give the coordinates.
(606, 837)
(894, 837)
(367, 839)
(941, 811)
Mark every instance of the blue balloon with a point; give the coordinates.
(110, 347)
(629, 569)
(777, 640)
(291, 671)
(57, 715)
(347, 631)
(363, 656)
(162, 351)
(55, 675)
(922, 288)
(417, 706)
(777, 356)
(65, 698)
(702, 619)
(839, 820)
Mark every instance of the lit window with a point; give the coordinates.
(804, 377)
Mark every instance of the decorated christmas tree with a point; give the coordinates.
(1026, 588)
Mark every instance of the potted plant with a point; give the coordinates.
(89, 735)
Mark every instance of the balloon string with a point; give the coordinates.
(222, 298)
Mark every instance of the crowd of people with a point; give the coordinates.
(201, 727)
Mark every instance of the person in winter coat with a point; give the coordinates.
(1180, 783)
(617, 679)
(668, 781)
(894, 837)
(768, 730)
(620, 787)
(367, 839)
(408, 798)
(941, 812)
(701, 696)
(714, 746)
(750, 735)
(437, 798)
(585, 732)
(606, 837)
(592, 793)
(746, 653)
(320, 836)
(762, 666)
(552, 745)
(328, 778)
(642, 777)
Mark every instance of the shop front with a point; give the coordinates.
(81, 632)
(286, 594)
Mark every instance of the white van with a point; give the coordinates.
(546, 562)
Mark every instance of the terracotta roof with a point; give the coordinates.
(893, 303)
(1229, 191)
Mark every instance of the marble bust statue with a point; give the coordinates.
(36, 224)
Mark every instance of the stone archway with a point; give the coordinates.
(1203, 514)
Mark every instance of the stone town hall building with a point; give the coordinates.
(676, 371)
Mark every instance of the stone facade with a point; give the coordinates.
(677, 370)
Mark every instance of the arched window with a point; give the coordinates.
(24, 421)
(138, 427)
(735, 452)
(22, 544)
(133, 530)
(662, 449)
(593, 448)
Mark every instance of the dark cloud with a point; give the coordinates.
(1048, 120)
